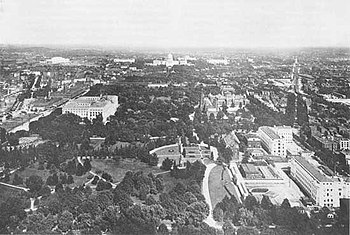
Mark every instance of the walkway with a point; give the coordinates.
(205, 191)
(94, 174)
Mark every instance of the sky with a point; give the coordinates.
(176, 23)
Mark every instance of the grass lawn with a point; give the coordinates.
(44, 174)
(31, 170)
(7, 192)
(216, 185)
(117, 171)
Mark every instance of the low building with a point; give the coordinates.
(92, 106)
(325, 143)
(252, 141)
(323, 190)
(249, 171)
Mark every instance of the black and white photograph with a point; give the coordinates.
(175, 117)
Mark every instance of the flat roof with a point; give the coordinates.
(312, 170)
(250, 168)
(268, 131)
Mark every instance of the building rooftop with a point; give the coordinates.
(250, 169)
(268, 131)
(313, 171)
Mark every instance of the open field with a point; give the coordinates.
(217, 180)
(117, 171)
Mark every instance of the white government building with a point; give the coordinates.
(272, 141)
(325, 191)
(92, 106)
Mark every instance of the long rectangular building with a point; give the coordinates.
(272, 141)
(92, 106)
(325, 191)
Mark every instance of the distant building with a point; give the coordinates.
(218, 61)
(252, 141)
(344, 144)
(325, 143)
(323, 190)
(157, 85)
(212, 104)
(272, 142)
(124, 61)
(92, 106)
(57, 60)
(169, 61)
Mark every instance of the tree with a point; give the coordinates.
(166, 164)
(11, 212)
(228, 228)
(45, 191)
(250, 202)
(266, 203)
(247, 217)
(2, 135)
(59, 187)
(285, 204)
(17, 180)
(220, 115)
(95, 180)
(80, 170)
(37, 223)
(247, 231)
(218, 214)
(87, 165)
(63, 178)
(34, 183)
(70, 179)
(102, 185)
(107, 177)
(153, 160)
(212, 117)
(65, 221)
(163, 229)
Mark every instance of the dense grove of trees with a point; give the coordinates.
(264, 115)
(146, 112)
(253, 217)
(108, 209)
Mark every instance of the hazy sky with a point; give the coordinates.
(177, 23)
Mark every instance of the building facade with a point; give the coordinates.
(91, 106)
(344, 144)
(285, 132)
(272, 142)
(325, 191)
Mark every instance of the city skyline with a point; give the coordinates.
(163, 23)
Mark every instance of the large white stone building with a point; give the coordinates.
(285, 132)
(92, 106)
(272, 142)
(325, 191)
